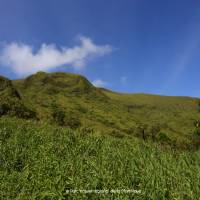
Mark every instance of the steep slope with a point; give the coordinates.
(71, 94)
(11, 102)
(72, 101)
(7, 89)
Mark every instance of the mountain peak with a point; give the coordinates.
(67, 84)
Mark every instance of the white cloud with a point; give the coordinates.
(99, 83)
(22, 60)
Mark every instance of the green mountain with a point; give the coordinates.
(59, 134)
(70, 100)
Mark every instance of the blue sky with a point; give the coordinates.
(124, 45)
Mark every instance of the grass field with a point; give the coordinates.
(39, 161)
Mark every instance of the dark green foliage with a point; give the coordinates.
(199, 105)
(11, 102)
(72, 121)
(154, 131)
(7, 89)
(116, 133)
(4, 109)
(197, 131)
(86, 130)
(58, 116)
(15, 107)
(64, 118)
(162, 137)
(142, 131)
(196, 138)
(4, 83)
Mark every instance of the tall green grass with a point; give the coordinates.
(39, 161)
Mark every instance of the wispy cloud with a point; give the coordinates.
(22, 59)
(188, 49)
(123, 80)
(99, 83)
(182, 63)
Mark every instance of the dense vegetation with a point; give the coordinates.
(59, 132)
(71, 101)
(39, 161)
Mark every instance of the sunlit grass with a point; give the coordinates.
(39, 161)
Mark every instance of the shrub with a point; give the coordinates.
(163, 138)
(199, 105)
(141, 131)
(64, 118)
(59, 116)
(154, 131)
(15, 107)
(4, 109)
(116, 133)
(196, 138)
(72, 121)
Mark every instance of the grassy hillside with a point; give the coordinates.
(41, 161)
(11, 102)
(58, 133)
(71, 101)
(178, 117)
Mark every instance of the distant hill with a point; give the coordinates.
(70, 100)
